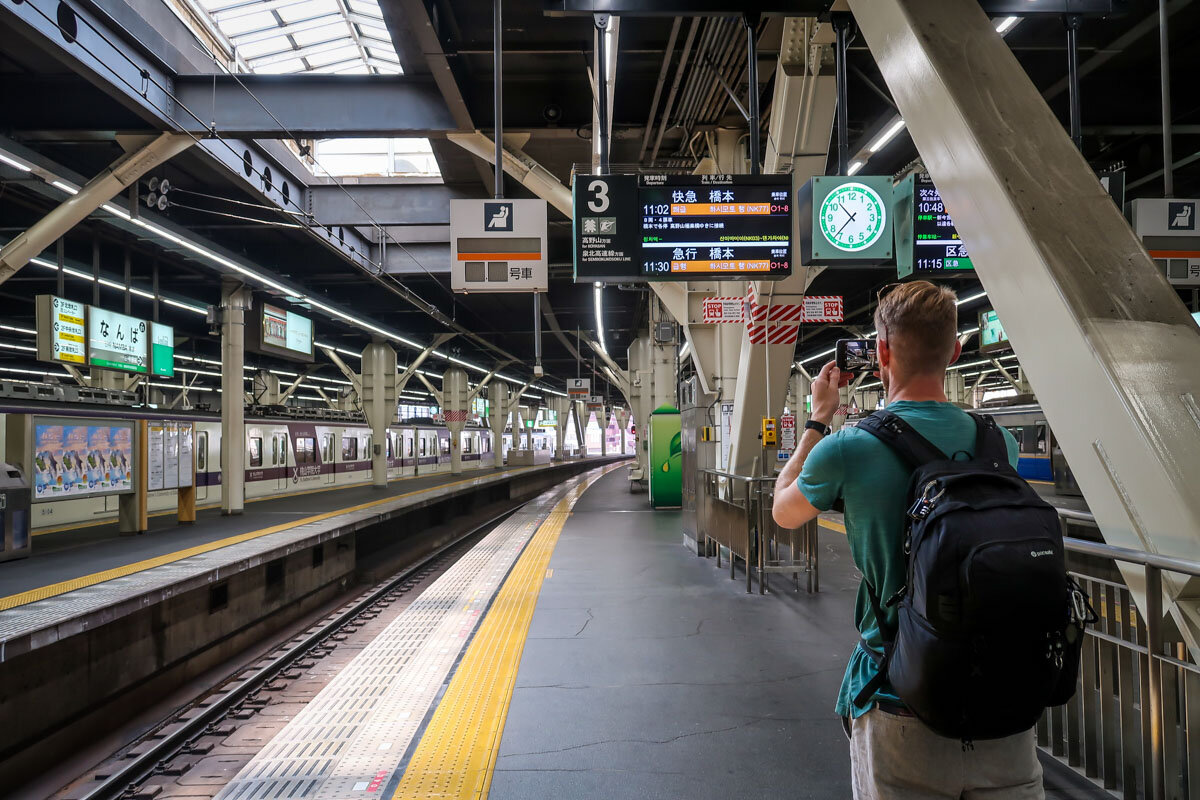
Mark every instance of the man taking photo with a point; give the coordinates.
(895, 756)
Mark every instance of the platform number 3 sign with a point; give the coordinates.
(599, 201)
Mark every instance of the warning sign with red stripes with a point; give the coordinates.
(817, 308)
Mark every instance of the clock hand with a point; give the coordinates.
(844, 224)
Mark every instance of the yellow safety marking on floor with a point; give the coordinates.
(831, 525)
(217, 504)
(1040, 483)
(55, 589)
(549, 574)
(457, 755)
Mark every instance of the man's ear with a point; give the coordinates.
(957, 352)
(884, 353)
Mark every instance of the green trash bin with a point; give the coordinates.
(666, 458)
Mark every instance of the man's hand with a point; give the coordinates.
(826, 396)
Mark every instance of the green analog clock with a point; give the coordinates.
(853, 217)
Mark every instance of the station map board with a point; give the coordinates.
(927, 243)
(671, 227)
(169, 455)
(498, 246)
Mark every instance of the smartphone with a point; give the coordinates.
(856, 355)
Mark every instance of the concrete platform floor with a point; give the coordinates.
(648, 673)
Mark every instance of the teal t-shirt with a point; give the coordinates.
(873, 483)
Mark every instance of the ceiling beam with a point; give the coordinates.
(308, 105)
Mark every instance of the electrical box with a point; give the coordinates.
(664, 332)
(770, 434)
(706, 434)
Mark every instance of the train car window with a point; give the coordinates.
(274, 450)
(283, 448)
(349, 448)
(445, 443)
(1042, 442)
(466, 444)
(390, 446)
(256, 451)
(327, 449)
(410, 448)
(202, 452)
(367, 449)
(423, 445)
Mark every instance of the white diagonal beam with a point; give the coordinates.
(1061, 266)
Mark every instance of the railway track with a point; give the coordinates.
(122, 778)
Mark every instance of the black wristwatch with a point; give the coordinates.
(819, 427)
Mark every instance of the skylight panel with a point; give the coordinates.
(310, 9)
(250, 22)
(336, 56)
(282, 67)
(325, 33)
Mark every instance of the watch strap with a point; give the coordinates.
(819, 427)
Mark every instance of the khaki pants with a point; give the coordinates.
(899, 758)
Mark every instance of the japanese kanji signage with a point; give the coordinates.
(498, 246)
(61, 331)
(816, 308)
(116, 341)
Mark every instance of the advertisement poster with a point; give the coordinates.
(726, 435)
(72, 460)
(666, 458)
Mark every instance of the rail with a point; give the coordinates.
(734, 516)
(1133, 725)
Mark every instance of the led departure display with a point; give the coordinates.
(715, 226)
(936, 244)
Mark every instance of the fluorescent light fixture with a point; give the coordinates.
(185, 306)
(598, 297)
(12, 162)
(1006, 24)
(963, 301)
(855, 166)
(18, 330)
(115, 211)
(66, 187)
(24, 347)
(888, 134)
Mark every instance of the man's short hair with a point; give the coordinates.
(919, 321)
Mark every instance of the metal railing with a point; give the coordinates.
(733, 515)
(1133, 725)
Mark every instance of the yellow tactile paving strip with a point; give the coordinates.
(457, 755)
(55, 589)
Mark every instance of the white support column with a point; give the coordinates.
(98, 191)
(622, 425)
(1060, 264)
(454, 406)
(498, 400)
(235, 301)
(561, 407)
(602, 418)
(378, 393)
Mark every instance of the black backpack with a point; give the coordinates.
(990, 625)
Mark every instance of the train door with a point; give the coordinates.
(201, 466)
(281, 472)
(329, 457)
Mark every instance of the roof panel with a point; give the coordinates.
(323, 33)
(249, 22)
(309, 10)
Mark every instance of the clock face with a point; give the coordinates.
(853, 217)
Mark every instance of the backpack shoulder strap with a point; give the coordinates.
(989, 440)
(897, 434)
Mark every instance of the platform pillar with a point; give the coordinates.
(602, 418)
(581, 419)
(235, 301)
(454, 406)
(498, 400)
(622, 425)
(1062, 266)
(378, 381)
(561, 407)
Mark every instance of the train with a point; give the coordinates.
(285, 454)
(1039, 456)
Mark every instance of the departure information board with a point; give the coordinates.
(716, 226)
(936, 244)
(675, 227)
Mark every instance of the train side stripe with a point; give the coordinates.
(55, 589)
